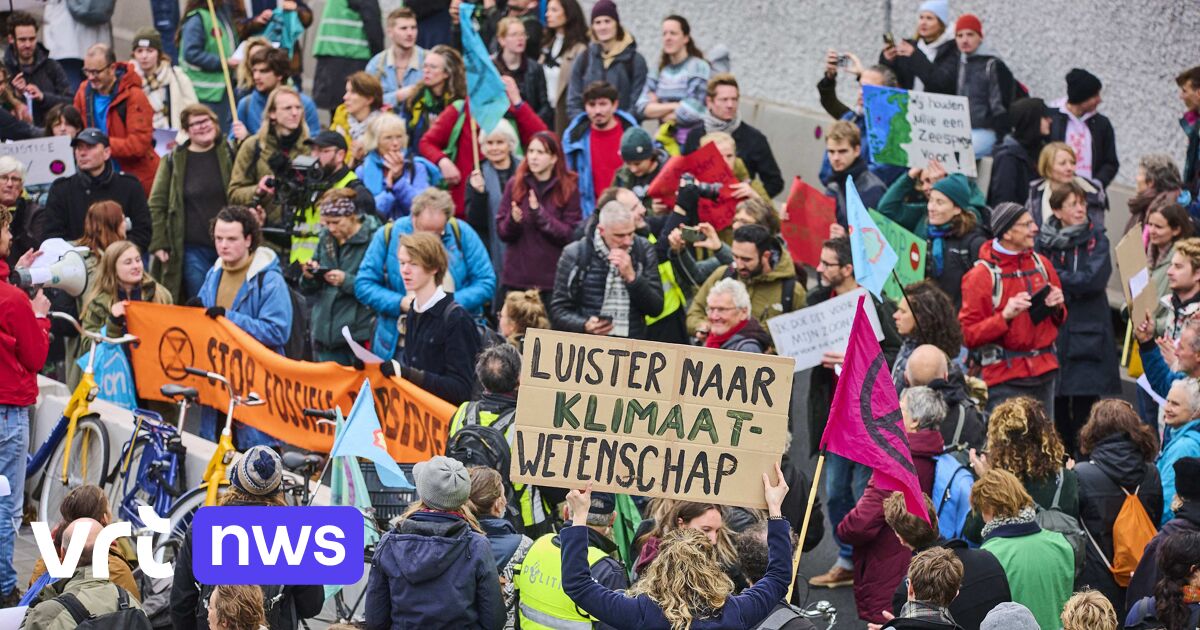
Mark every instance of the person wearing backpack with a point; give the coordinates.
(246, 286)
(1174, 604)
(1186, 506)
(84, 600)
(435, 569)
(254, 480)
(1038, 563)
(984, 584)
(1120, 453)
(1012, 308)
(964, 427)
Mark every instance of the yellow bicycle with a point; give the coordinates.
(79, 432)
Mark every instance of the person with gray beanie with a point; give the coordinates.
(1012, 307)
(435, 569)
(1009, 616)
(255, 479)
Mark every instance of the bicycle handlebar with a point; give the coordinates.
(327, 414)
(250, 400)
(118, 341)
(198, 372)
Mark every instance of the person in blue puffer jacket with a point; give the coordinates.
(379, 285)
(435, 568)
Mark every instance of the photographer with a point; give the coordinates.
(330, 277)
(268, 152)
(329, 149)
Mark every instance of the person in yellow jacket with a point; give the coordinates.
(543, 603)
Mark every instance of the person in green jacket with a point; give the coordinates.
(330, 275)
(1039, 564)
(907, 200)
(184, 201)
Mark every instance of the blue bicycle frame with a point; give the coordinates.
(158, 473)
(38, 459)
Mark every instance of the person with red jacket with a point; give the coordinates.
(880, 559)
(24, 343)
(1011, 329)
(112, 101)
(458, 161)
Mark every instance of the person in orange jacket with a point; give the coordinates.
(456, 162)
(112, 100)
(1010, 329)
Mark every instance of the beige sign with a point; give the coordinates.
(646, 418)
(1140, 294)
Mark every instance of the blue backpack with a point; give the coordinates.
(952, 481)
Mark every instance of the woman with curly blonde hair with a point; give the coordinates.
(1022, 440)
(521, 311)
(684, 587)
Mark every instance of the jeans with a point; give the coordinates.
(845, 481)
(14, 454)
(166, 19)
(1043, 393)
(982, 140)
(197, 260)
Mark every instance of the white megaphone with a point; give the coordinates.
(68, 274)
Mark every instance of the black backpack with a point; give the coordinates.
(126, 617)
(478, 445)
(297, 346)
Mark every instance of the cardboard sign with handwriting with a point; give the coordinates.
(656, 419)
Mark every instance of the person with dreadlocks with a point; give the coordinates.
(684, 588)
(1023, 441)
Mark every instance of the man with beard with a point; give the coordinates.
(843, 149)
(762, 264)
(592, 142)
(329, 147)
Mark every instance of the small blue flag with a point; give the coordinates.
(347, 487)
(362, 437)
(874, 258)
(485, 91)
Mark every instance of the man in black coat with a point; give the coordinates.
(607, 282)
(984, 584)
(1077, 123)
(963, 427)
(1187, 519)
(32, 72)
(752, 146)
(95, 180)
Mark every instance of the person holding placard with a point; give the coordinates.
(684, 580)
(1087, 348)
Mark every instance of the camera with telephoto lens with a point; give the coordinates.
(707, 190)
(298, 183)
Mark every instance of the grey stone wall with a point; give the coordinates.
(1136, 48)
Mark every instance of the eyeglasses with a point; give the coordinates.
(90, 73)
(12, 179)
(720, 309)
(203, 122)
(830, 264)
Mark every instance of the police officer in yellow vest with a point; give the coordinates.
(329, 147)
(498, 370)
(349, 33)
(543, 605)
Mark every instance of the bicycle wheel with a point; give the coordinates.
(120, 485)
(179, 520)
(53, 489)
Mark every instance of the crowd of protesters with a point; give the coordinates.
(437, 245)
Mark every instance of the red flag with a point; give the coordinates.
(865, 424)
(809, 214)
(707, 166)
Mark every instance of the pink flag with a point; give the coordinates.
(865, 424)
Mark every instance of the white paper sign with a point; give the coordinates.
(164, 141)
(810, 332)
(45, 159)
(1139, 281)
(941, 130)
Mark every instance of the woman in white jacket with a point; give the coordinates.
(167, 87)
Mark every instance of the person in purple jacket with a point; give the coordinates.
(684, 587)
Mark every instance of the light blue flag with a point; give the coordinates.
(874, 258)
(347, 487)
(362, 437)
(485, 90)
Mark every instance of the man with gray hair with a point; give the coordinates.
(1162, 371)
(112, 100)
(730, 325)
(608, 281)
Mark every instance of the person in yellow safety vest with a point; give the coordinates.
(669, 325)
(329, 147)
(543, 605)
(498, 370)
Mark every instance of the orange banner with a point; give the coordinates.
(415, 423)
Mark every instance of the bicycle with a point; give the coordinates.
(152, 470)
(822, 610)
(77, 431)
(179, 517)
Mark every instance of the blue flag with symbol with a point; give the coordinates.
(874, 258)
(485, 90)
(362, 437)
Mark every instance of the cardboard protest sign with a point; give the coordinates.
(415, 423)
(1140, 295)
(707, 166)
(808, 333)
(45, 159)
(911, 250)
(910, 128)
(809, 213)
(656, 419)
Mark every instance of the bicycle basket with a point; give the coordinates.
(388, 502)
